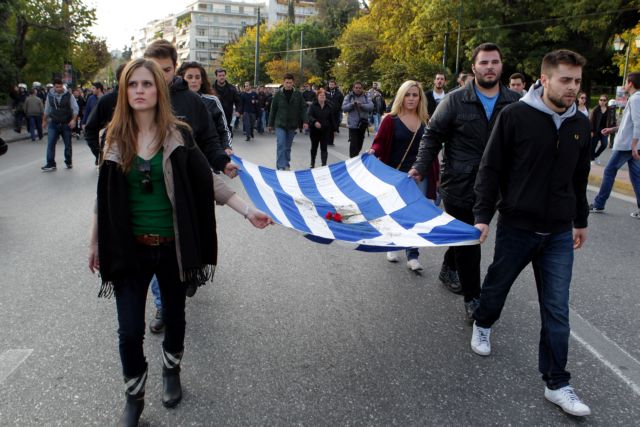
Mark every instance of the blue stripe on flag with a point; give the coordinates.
(454, 232)
(287, 203)
(368, 205)
(406, 186)
(252, 189)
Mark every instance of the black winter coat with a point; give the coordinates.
(98, 120)
(460, 124)
(325, 116)
(228, 96)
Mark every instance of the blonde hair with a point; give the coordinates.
(398, 103)
(123, 128)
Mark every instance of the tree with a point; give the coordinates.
(88, 57)
(359, 48)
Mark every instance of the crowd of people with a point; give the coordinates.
(479, 148)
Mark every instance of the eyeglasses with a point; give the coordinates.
(603, 100)
(144, 167)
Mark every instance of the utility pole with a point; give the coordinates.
(446, 43)
(257, 63)
(301, 46)
(286, 54)
(458, 43)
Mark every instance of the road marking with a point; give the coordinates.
(613, 194)
(10, 360)
(620, 362)
(15, 168)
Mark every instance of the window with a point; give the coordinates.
(227, 9)
(202, 6)
(200, 32)
(200, 45)
(240, 9)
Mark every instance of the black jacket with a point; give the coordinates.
(431, 102)
(325, 116)
(539, 173)
(188, 107)
(98, 120)
(336, 97)
(219, 121)
(228, 96)
(460, 123)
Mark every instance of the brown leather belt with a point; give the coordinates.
(153, 240)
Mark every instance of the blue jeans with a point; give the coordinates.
(261, 122)
(131, 297)
(414, 253)
(375, 122)
(155, 290)
(284, 140)
(248, 121)
(601, 139)
(55, 130)
(35, 125)
(616, 161)
(552, 259)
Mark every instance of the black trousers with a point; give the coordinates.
(131, 297)
(356, 139)
(466, 258)
(321, 138)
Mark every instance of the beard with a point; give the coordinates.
(558, 101)
(486, 83)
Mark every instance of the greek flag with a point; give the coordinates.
(361, 202)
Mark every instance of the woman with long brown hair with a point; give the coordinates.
(155, 215)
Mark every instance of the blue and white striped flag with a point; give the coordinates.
(382, 209)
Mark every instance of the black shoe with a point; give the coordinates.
(171, 387)
(594, 209)
(132, 411)
(247, 139)
(157, 324)
(48, 168)
(68, 165)
(3, 147)
(469, 308)
(191, 289)
(450, 279)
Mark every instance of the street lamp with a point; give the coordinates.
(618, 45)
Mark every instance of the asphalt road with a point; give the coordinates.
(296, 333)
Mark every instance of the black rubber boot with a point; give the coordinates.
(171, 387)
(134, 392)
(323, 157)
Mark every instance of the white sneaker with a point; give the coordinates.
(392, 256)
(480, 342)
(568, 400)
(414, 265)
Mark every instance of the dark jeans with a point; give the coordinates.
(248, 122)
(18, 118)
(595, 150)
(356, 139)
(55, 130)
(467, 258)
(131, 296)
(35, 125)
(552, 259)
(322, 138)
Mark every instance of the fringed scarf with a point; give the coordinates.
(194, 218)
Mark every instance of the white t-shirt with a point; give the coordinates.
(438, 96)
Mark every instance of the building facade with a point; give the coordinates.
(204, 27)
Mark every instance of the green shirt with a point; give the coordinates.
(151, 212)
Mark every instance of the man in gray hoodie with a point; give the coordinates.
(61, 109)
(357, 106)
(536, 168)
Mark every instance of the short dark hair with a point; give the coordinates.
(220, 70)
(119, 70)
(161, 49)
(332, 80)
(485, 47)
(57, 81)
(515, 76)
(440, 73)
(634, 78)
(98, 85)
(357, 82)
(561, 56)
(288, 76)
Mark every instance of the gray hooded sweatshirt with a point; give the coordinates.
(534, 99)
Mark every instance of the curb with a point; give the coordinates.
(619, 186)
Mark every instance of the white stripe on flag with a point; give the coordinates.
(395, 232)
(332, 193)
(267, 194)
(426, 227)
(386, 194)
(307, 209)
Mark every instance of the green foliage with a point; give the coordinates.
(359, 48)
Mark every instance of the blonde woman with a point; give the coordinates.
(396, 144)
(155, 216)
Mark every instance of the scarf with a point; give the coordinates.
(194, 220)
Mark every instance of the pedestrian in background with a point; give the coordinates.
(288, 113)
(196, 77)
(147, 148)
(34, 109)
(335, 97)
(322, 125)
(229, 97)
(97, 92)
(249, 110)
(582, 103)
(61, 110)
(601, 118)
(357, 106)
(396, 145)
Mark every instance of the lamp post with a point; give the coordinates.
(618, 45)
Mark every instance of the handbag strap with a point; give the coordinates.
(409, 147)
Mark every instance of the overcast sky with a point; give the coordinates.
(118, 20)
